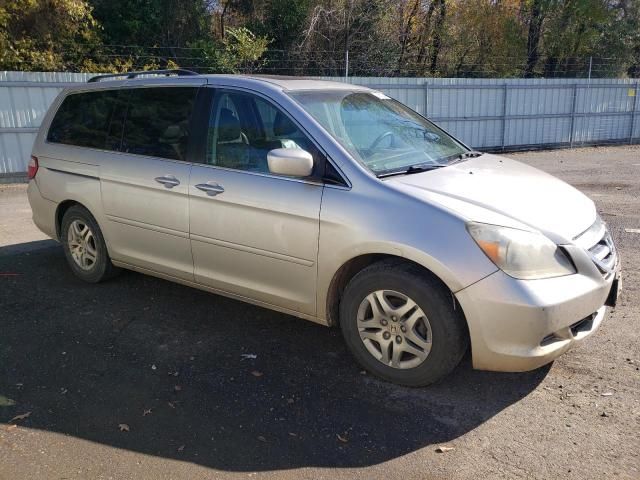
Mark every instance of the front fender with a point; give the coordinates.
(383, 221)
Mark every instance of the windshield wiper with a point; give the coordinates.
(411, 169)
(464, 156)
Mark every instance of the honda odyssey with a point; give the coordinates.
(330, 202)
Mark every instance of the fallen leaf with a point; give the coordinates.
(443, 449)
(256, 373)
(123, 427)
(248, 356)
(171, 404)
(146, 412)
(262, 439)
(20, 417)
(342, 439)
(153, 367)
(293, 434)
(177, 388)
(181, 448)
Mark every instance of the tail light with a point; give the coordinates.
(32, 168)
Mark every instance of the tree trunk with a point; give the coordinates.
(424, 35)
(347, 33)
(533, 38)
(406, 32)
(224, 11)
(437, 35)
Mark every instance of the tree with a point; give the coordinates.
(538, 11)
(408, 20)
(243, 50)
(470, 38)
(152, 31)
(45, 35)
(573, 32)
(436, 43)
(281, 20)
(334, 28)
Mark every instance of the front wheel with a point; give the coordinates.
(401, 325)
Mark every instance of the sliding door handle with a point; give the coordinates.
(211, 189)
(169, 181)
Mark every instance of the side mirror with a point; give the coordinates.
(292, 162)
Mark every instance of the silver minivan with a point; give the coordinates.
(330, 202)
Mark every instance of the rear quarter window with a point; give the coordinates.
(83, 119)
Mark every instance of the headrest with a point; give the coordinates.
(228, 126)
(173, 134)
(283, 126)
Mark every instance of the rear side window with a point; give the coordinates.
(157, 121)
(83, 119)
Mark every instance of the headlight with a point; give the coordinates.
(521, 254)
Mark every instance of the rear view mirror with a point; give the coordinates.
(292, 162)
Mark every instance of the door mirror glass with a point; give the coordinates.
(292, 162)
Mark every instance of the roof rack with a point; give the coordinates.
(180, 72)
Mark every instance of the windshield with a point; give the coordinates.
(380, 132)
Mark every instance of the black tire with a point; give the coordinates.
(449, 333)
(102, 269)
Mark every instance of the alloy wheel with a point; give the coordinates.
(394, 329)
(82, 245)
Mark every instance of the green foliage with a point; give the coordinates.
(157, 23)
(283, 21)
(243, 50)
(383, 37)
(45, 34)
(239, 52)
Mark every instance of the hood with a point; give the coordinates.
(494, 189)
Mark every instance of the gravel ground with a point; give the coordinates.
(142, 378)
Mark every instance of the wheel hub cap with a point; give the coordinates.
(394, 329)
(82, 245)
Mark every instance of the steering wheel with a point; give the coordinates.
(380, 138)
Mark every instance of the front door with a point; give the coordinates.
(145, 187)
(254, 234)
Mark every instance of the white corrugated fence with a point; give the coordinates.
(489, 114)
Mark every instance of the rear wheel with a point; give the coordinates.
(400, 324)
(84, 246)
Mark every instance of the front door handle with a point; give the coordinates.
(211, 189)
(169, 181)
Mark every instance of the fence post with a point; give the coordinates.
(346, 65)
(573, 113)
(633, 114)
(504, 113)
(426, 99)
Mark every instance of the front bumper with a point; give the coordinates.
(519, 325)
